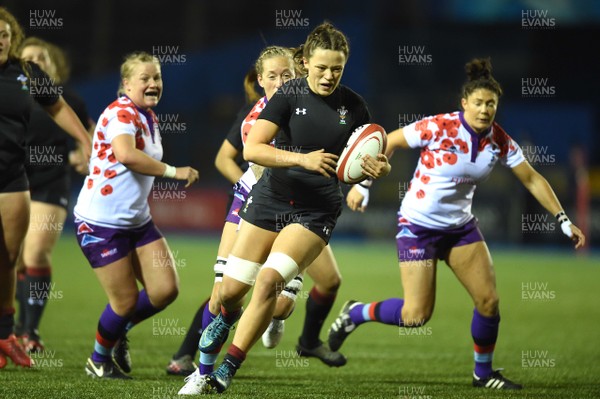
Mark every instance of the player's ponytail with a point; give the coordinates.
(479, 68)
(479, 76)
(298, 61)
(250, 80)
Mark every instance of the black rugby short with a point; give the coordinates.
(54, 192)
(15, 184)
(270, 211)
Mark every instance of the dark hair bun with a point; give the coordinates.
(479, 68)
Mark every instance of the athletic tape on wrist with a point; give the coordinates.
(367, 183)
(565, 226)
(170, 171)
(561, 217)
(364, 191)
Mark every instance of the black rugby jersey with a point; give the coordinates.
(234, 136)
(48, 144)
(17, 97)
(309, 122)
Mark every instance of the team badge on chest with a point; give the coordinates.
(23, 79)
(342, 111)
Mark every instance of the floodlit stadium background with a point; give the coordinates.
(407, 61)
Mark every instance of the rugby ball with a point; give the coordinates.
(366, 139)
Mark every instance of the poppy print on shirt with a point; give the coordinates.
(113, 194)
(251, 118)
(453, 160)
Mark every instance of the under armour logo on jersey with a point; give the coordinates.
(300, 111)
(326, 230)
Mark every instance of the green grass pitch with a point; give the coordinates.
(549, 335)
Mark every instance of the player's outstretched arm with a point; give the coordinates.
(539, 187)
(123, 147)
(395, 141)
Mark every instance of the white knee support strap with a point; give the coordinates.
(283, 264)
(242, 270)
(219, 268)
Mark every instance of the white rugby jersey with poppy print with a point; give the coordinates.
(112, 195)
(248, 179)
(251, 118)
(454, 158)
